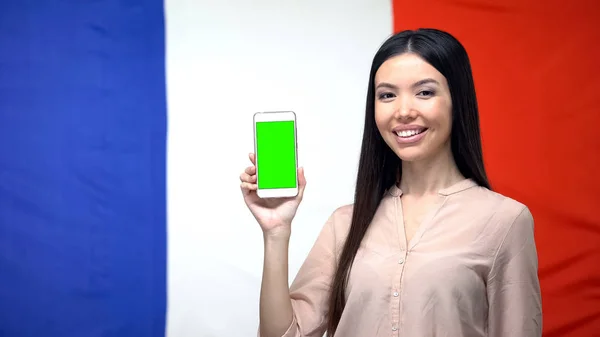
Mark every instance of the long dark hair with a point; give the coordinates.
(379, 166)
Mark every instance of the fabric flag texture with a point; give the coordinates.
(527, 59)
(83, 154)
(82, 169)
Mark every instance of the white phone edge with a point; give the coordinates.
(274, 116)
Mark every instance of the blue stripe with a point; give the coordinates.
(82, 168)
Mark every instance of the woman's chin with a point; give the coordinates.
(413, 154)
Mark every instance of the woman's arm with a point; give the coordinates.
(300, 310)
(514, 297)
(275, 305)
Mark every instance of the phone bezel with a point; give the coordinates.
(276, 116)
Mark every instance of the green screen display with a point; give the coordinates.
(276, 154)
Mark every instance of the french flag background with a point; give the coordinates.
(124, 125)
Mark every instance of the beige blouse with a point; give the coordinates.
(469, 271)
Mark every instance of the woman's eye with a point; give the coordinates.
(386, 95)
(426, 93)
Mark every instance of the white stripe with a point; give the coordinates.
(225, 61)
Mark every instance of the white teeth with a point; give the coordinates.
(407, 133)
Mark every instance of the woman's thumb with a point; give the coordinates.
(301, 182)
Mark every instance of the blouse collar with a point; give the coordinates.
(460, 186)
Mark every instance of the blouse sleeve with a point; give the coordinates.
(514, 297)
(309, 291)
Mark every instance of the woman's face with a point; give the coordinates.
(413, 107)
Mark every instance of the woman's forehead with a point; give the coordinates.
(407, 69)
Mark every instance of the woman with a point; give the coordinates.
(426, 249)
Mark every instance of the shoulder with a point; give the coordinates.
(498, 206)
(503, 215)
(338, 223)
(343, 212)
(515, 217)
(341, 217)
(515, 248)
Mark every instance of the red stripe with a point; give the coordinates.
(537, 76)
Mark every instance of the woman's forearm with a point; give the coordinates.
(276, 313)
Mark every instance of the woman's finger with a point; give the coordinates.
(248, 187)
(301, 182)
(252, 158)
(250, 170)
(247, 178)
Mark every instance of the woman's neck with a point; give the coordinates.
(431, 175)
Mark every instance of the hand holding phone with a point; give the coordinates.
(274, 185)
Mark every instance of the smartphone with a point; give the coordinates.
(275, 148)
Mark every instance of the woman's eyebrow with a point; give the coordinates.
(414, 85)
(425, 81)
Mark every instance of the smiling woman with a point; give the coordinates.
(414, 115)
(427, 249)
(407, 134)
